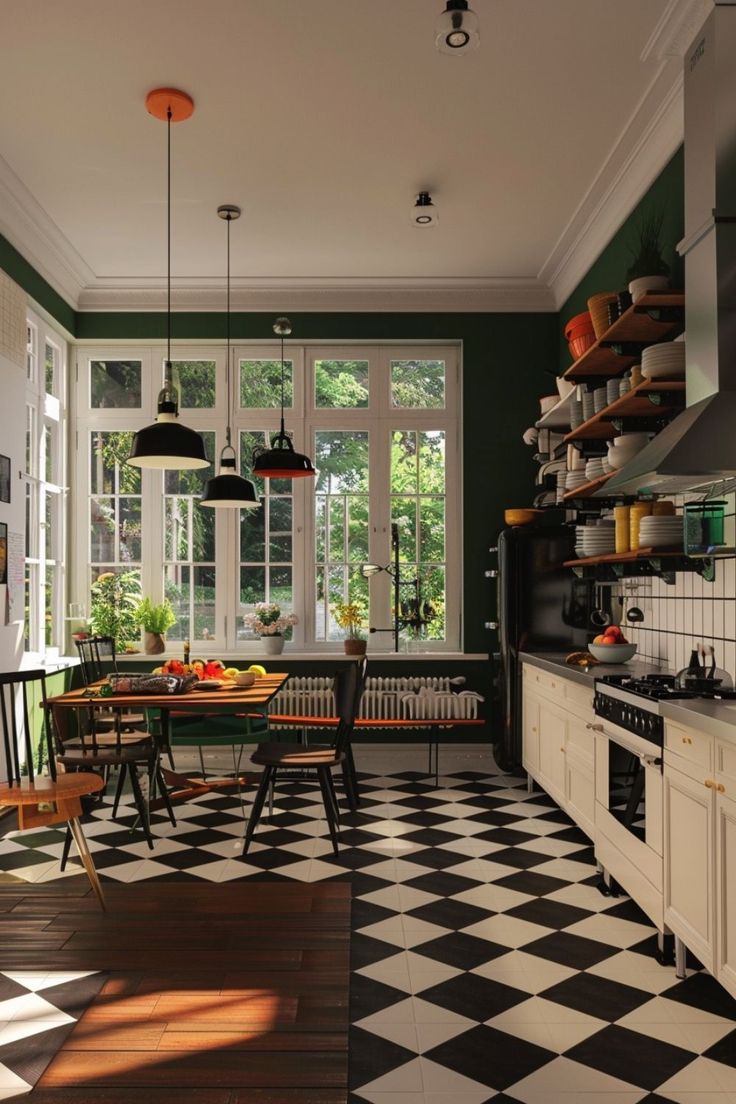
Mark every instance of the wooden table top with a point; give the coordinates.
(225, 700)
(43, 788)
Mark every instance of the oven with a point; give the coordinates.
(628, 799)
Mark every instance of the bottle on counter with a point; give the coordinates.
(186, 651)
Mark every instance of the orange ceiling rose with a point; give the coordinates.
(161, 100)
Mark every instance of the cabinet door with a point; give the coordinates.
(689, 900)
(580, 776)
(726, 892)
(530, 732)
(552, 739)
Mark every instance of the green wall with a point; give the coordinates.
(608, 273)
(18, 268)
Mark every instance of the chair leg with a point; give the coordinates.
(162, 789)
(84, 854)
(119, 789)
(67, 847)
(140, 802)
(324, 785)
(271, 787)
(350, 763)
(333, 795)
(258, 803)
(201, 763)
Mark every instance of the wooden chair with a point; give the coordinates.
(41, 800)
(95, 652)
(274, 756)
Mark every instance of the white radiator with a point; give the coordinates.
(383, 699)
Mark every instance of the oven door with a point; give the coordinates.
(628, 792)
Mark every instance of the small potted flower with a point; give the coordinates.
(349, 617)
(155, 620)
(267, 622)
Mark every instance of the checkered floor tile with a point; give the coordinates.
(486, 964)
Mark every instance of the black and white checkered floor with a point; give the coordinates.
(487, 966)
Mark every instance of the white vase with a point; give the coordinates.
(643, 284)
(272, 645)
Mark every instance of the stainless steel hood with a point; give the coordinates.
(699, 446)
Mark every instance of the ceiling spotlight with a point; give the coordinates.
(456, 30)
(424, 212)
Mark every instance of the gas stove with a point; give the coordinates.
(634, 703)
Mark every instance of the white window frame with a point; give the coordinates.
(47, 411)
(303, 420)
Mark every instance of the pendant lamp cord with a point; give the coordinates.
(282, 383)
(168, 241)
(227, 331)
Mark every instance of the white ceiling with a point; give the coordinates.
(322, 119)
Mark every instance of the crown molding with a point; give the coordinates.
(327, 296)
(678, 24)
(30, 230)
(648, 141)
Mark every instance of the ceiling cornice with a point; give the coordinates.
(340, 295)
(679, 23)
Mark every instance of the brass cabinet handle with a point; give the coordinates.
(594, 727)
(720, 787)
(534, 728)
(709, 784)
(562, 750)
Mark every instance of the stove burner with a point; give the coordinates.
(662, 687)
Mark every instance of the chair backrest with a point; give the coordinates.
(15, 723)
(93, 652)
(348, 689)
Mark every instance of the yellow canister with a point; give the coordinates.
(663, 508)
(622, 520)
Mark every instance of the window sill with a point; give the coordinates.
(296, 656)
(50, 666)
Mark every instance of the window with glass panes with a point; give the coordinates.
(45, 494)
(381, 425)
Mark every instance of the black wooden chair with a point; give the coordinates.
(41, 800)
(322, 758)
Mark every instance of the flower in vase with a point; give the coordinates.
(267, 619)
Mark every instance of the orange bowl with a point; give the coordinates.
(520, 516)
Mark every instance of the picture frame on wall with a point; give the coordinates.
(3, 552)
(4, 479)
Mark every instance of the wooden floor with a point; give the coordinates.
(220, 994)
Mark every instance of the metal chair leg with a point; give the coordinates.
(258, 803)
(67, 847)
(119, 789)
(333, 794)
(162, 789)
(324, 785)
(140, 803)
(201, 763)
(271, 788)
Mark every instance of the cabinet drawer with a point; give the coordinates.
(543, 681)
(694, 747)
(579, 699)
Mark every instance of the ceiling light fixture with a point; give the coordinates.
(456, 30)
(424, 212)
(280, 461)
(227, 488)
(165, 443)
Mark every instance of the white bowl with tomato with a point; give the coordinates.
(612, 646)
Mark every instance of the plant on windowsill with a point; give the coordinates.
(267, 622)
(349, 617)
(114, 607)
(155, 620)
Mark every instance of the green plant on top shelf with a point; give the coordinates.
(647, 254)
(155, 618)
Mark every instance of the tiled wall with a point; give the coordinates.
(12, 321)
(678, 617)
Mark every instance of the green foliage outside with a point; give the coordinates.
(114, 607)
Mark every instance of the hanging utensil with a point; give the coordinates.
(599, 617)
(635, 615)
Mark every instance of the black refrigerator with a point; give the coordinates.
(541, 607)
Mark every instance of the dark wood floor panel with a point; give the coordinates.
(215, 994)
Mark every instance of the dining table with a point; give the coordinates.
(166, 710)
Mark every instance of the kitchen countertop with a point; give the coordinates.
(711, 717)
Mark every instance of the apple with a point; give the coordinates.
(600, 639)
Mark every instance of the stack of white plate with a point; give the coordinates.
(612, 390)
(660, 532)
(600, 399)
(588, 405)
(597, 540)
(665, 361)
(594, 468)
(575, 479)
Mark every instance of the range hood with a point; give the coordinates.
(698, 447)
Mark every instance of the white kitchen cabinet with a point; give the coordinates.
(725, 967)
(689, 841)
(557, 744)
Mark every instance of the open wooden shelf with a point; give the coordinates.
(636, 403)
(634, 327)
(627, 557)
(586, 490)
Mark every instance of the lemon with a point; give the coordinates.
(230, 672)
(256, 669)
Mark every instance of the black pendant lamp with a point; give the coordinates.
(165, 443)
(280, 461)
(227, 488)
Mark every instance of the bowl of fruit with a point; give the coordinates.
(612, 646)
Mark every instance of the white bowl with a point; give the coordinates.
(643, 284)
(634, 441)
(244, 679)
(612, 653)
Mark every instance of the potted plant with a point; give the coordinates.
(349, 617)
(155, 620)
(114, 607)
(648, 271)
(267, 622)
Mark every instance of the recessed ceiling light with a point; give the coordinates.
(456, 30)
(424, 212)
